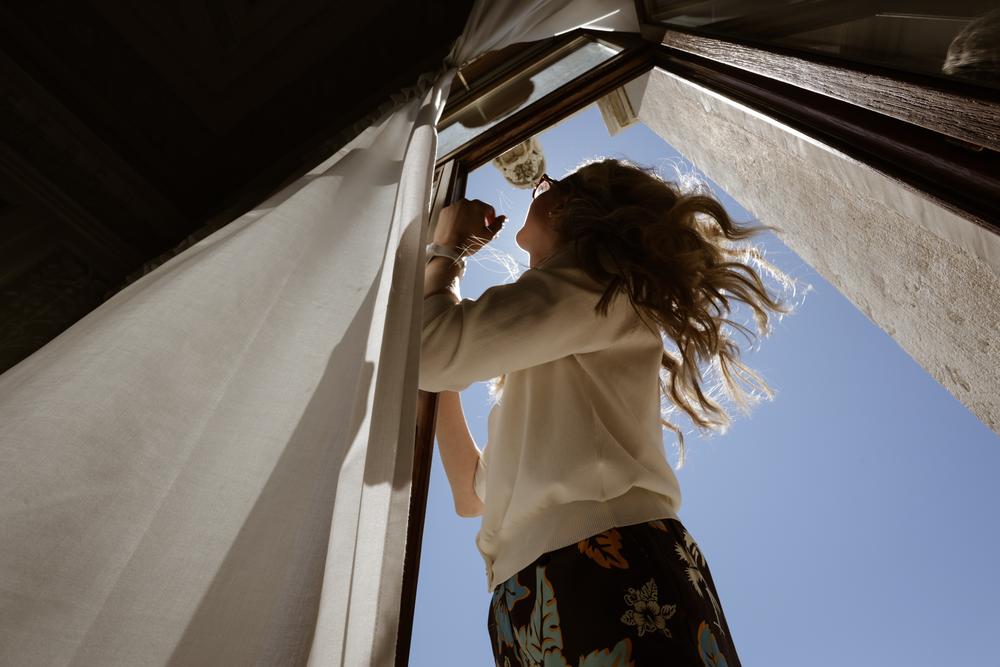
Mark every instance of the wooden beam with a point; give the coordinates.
(955, 108)
(960, 177)
(109, 254)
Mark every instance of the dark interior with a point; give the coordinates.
(129, 127)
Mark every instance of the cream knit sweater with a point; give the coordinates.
(574, 444)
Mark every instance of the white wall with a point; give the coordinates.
(926, 276)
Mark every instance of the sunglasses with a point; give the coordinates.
(543, 184)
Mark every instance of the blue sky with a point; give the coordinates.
(850, 521)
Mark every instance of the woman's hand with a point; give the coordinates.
(468, 225)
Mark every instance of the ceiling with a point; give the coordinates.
(126, 127)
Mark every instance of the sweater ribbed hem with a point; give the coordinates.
(565, 524)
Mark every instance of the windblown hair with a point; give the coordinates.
(673, 255)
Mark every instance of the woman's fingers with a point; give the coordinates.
(487, 209)
(480, 202)
(475, 221)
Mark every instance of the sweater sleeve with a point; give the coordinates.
(542, 316)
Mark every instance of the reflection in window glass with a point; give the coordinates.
(956, 39)
(518, 93)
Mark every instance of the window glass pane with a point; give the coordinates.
(954, 39)
(514, 95)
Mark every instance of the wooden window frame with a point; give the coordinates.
(634, 60)
(969, 115)
(523, 57)
(848, 108)
(837, 103)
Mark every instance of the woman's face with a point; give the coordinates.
(537, 235)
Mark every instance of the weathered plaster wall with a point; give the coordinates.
(927, 277)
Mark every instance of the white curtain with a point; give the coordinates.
(213, 467)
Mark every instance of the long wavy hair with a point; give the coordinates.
(676, 256)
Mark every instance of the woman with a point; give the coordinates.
(585, 555)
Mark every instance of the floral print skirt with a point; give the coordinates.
(632, 596)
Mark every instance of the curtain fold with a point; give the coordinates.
(213, 467)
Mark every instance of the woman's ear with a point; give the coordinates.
(559, 204)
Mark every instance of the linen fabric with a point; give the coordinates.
(639, 594)
(214, 466)
(575, 444)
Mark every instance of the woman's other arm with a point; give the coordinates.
(459, 453)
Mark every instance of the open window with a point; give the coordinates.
(844, 96)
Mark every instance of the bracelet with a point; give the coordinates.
(436, 249)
